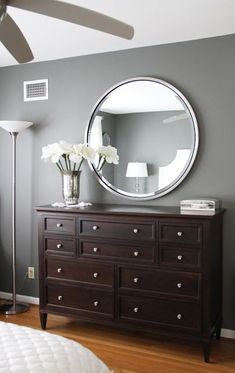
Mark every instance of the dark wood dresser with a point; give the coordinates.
(144, 268)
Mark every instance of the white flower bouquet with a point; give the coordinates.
(68, 157)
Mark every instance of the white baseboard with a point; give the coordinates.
(19, 297)
(225, 333)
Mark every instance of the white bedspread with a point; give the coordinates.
(25, 350)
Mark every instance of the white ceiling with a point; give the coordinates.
(155, 22)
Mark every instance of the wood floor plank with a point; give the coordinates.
(128, 352)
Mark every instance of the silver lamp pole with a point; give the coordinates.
(14, 127)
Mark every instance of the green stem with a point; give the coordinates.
(66, 162)
(101, 162)
(59, 167)
(70, 166)
(80, 165)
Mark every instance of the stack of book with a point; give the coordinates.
(199, 206)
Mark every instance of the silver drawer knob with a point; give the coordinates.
(95, 275)
(95, 227)
(179, 316)
(135, 230)
(59, 225)
(60, 297)
(95, 249)
(179, 285)
(136, 279)
(136, 253)
(136, 309)
(59, 270)
(179, 234)
(96, 303)
(59, 245)
(179, 257)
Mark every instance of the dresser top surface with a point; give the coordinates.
(116, 209)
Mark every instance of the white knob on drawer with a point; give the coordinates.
(59, 270)
(136, 309)
(95, 275)
(136, 253)
(179, 316)
(179, 257)
(59, 225)
(95, 249)
(96, 303)
(135, 230)
(60, 297)
(95, 227)
(136, 279)
(179, 285)
(179, 234)
(59, 245)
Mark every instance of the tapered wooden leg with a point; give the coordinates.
(206, 351)
(218, 329)
(43, 319)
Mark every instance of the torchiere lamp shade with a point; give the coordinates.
(14, 125)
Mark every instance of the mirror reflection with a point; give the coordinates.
(154, 130)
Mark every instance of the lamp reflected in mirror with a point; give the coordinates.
(137, 170)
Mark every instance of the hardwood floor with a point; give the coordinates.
(127, 352)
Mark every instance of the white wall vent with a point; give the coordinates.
(36, 90)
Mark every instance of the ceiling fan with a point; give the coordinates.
(13, 39)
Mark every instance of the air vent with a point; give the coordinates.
(36, 90)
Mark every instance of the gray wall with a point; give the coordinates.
(204, 72)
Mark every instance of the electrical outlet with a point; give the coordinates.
(31, 273)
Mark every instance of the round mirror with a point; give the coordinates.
(155, 131)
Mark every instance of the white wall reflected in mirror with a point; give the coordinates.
(167, 174)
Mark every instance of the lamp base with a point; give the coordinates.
(9, 309)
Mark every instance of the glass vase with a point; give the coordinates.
(70, 186)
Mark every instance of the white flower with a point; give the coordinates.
(88, 153)
(81, 151)
(65, 147)
(109, 154)
(52, 152)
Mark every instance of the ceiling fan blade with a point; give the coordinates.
(76, 14)
(13, 39)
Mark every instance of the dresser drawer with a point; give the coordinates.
(58, 224)
(60, 245)
(166, 282)
(115, 229)
(181, 315)
(81, 298)
(83, 272)
(135, 254)
(181, 258)
(176, 232)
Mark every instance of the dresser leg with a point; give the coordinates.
(218, 329)
(43, 319)
(206, 351)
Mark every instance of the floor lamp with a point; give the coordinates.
(14, 127)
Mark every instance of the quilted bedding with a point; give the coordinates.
(25, 350)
